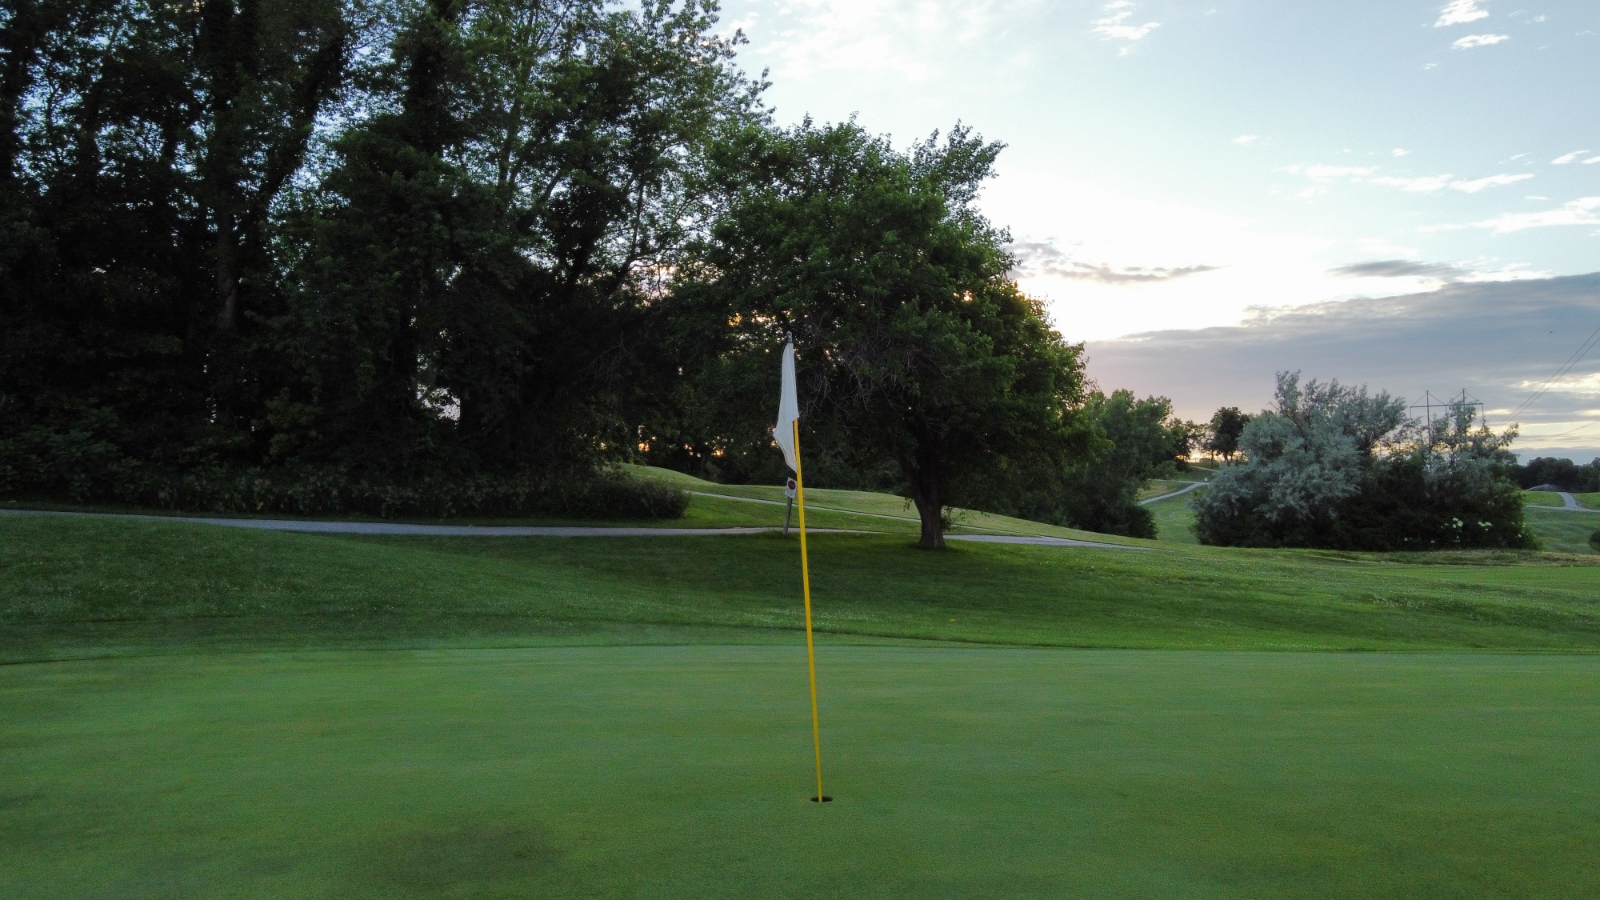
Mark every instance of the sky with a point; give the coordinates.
(1237, 175)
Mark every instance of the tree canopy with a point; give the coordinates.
(915, 346)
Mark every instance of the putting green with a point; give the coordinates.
(683, 772)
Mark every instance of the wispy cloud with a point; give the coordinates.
(1042, 258)
(1423, 184)
(1478, 184)
(1246, 139)
(914, 41)
(1566, 158)
(1419, 184)
(1479, 40)
(1460, 12)
(1400, 268)
(1401, 151)
(1591, 160)
(1114, 24)
(1323, 172)
(1583, 211)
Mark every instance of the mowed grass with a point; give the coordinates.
(684, 772)
(75, 586)
(198, 711)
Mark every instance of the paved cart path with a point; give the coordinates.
(1177, 493)
(397, 528)
(1569, 502)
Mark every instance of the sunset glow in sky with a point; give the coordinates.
(1176, 165)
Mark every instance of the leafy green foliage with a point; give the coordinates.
(1561, 473)
(915, 348)
(1332, 466)
(1134, 440)
(1224, 431)
(233, 242)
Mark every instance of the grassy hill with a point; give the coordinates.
(70, 586)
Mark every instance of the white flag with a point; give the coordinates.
(788, 410)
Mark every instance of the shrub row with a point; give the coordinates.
(87, 476)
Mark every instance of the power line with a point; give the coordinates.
(1576, 357)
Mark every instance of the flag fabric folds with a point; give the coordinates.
(788, 410)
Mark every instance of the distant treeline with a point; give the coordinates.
(1563, 474)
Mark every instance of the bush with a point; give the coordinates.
(1594, 541)
(606, 494)
(609, 494)
(1337, 468)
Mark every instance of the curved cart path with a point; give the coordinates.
(397, 528)
(1570, 502)
(1177, 493)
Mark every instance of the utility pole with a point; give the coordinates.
(1427, 404)
(1464, 399)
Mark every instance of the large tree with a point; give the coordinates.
(914, 345)
(474, 271)
(145, 147)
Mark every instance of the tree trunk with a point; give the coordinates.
(930, 509)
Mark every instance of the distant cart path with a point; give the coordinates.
(1178, 493)
(1569, 502)
(397, 528)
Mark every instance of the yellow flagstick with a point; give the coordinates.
(805, 581)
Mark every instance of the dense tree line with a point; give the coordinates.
(447, 255)
(1562, 474)
(389, 239)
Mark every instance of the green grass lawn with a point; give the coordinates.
(197, 711)
(683, 772)
(1175, 518)
(1592, 501)
(1541, 498)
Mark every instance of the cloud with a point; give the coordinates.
(1400, 268)
(1591, 160)
(1494, 339)
(1460, 12)
(1479, 40)
(1420, 185)
(1039, 258)
(1246, 139)
(1401, 151)
(1476, 185)
(912, 41)
(1113, 26)
(1325, 172)
(1583, 211)
(1567, 158)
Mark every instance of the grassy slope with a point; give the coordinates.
(1175, 518)
(1563, 532)
(70, 586)
(669, 772)
(882, 512)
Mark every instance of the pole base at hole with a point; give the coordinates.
(822, 800)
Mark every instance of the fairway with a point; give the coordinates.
(683, 771)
